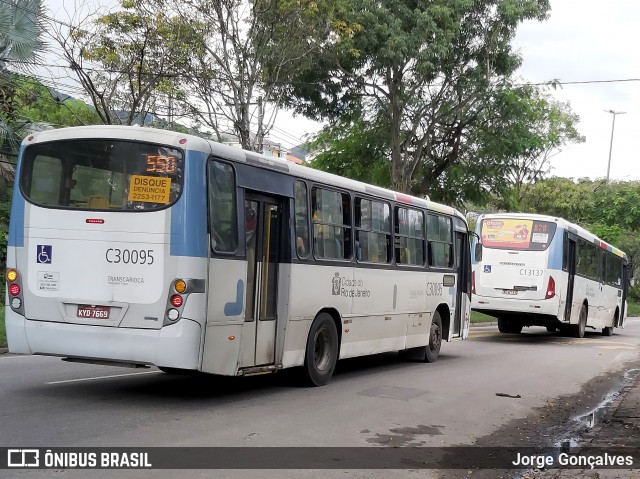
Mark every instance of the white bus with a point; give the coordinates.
(133, 246)
(531, 269)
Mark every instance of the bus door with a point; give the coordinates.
(463, 266)
(626, 277)
(570, 249)
(263, 231)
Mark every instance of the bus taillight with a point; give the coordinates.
(176, 300)
(473, 282)
(551, 288)
(14, 289)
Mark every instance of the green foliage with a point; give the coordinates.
(426, 72)
(477, 317)
(634, 309)
(21, 32)
(559, 197)
(350, 149)
(37, 103)
(610, 211)
(634, 293)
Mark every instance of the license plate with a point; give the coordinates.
(509, 291)
(93, 312)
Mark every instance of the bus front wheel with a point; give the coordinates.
(577, 330)
(321, 353)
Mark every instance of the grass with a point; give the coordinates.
(481, 318)
(3, 333)
(634, 309)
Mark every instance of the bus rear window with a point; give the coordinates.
(519, 234)
(102, 175)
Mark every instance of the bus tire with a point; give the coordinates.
(577, 330)
(608, 331)
(432, 350)
(321, 353)
(503, 325)
(515, 328)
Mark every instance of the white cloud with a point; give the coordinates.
(591, 40)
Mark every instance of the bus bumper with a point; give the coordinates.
(495, 306)
(175, 346)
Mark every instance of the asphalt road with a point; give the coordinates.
(376, 401)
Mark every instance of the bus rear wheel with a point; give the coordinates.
(515, 328)
(503, 325)
(577, 330)
(321, 353)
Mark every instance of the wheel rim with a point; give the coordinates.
(435, 338)
(321, 349)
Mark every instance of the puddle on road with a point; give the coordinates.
(584, 422)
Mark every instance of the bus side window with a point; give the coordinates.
(301, 219)
(222, 207)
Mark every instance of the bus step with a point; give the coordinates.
(255, 370)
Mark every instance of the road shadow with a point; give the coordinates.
(537, 335)
(159, 389)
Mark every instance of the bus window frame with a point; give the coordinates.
(452, 262)
(390, 250)
(425, 247)
(28, 163)
(239, 216)
(350, 196)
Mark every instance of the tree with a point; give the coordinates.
(21, 32)
(351, 149)
(126, 61)
(560, 197)
(242, 52)
(520, 133)
(423, 69)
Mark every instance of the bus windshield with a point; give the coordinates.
(102, 175)
(520, 234)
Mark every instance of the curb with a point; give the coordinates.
(4, 350)
(479, 325)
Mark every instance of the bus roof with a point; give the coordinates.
(183, 140)
(562, 223)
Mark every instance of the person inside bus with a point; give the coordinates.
(302, 240)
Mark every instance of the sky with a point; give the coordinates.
(586, 40)
(582, 41)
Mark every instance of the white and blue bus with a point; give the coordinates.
(538, 270)
(133, 246)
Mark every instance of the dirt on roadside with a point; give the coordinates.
(562, 421)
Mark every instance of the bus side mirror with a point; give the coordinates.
(478, 247)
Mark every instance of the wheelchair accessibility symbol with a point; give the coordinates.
(44, 253)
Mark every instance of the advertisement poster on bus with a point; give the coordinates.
(507, 233)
